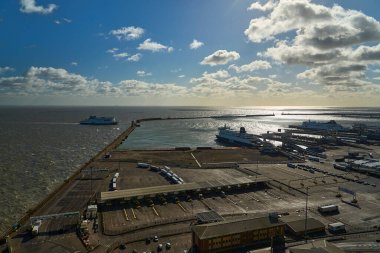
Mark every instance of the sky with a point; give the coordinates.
(190, 53)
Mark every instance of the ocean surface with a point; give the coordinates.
(42, 146)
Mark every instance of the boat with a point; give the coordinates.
(94, 120)
(241, 138)
(321, 126)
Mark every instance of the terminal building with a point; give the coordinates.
(238, 234)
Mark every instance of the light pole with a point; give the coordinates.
(307, 198)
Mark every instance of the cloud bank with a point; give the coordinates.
(30, 6)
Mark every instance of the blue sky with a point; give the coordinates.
(272, 52)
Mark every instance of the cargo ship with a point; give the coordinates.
(94, 120)
(241, 138)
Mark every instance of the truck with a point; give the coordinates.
(36, 226)
(328, 209)
(336, 227)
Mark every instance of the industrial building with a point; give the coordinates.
(235, 234)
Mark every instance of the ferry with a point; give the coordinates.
(241, 138)
(321, 126)
(94, 120)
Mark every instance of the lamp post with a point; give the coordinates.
(307, 198)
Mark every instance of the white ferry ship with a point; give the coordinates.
(94, 120)
(322, 126)
(238, 137)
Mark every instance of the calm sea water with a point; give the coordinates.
(41, 146)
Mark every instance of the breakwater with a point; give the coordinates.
(208, 117)
(340, 114)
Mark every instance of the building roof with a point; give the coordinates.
(316, 247)
(298, 226)
(164, 189)
(206, 217)
(222, 228)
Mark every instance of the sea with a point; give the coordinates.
(42, 146)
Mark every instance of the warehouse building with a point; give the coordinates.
(236, 234)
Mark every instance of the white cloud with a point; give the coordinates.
(255, 65)
(63, 20)
(29, 6)
(74, 63)
(286, 16)
(55, 81)
(47, 81)
(343, 73)
(118, 56)
(220, 74)
(112, 50)
(196, 44)
(135, 58)
(181, 76)
(127, 33)
(220, 57)
(143, 73)
(6, 69)
(328, 42)
(144, 89)
(150, 45)
(263, 7)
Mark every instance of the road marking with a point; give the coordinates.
(182, 207)
(200, 166)
(155, 211)
(126, 215)
(133, 213)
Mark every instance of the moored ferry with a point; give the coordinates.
(241, 138)
(321, 126)
(94, 120)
